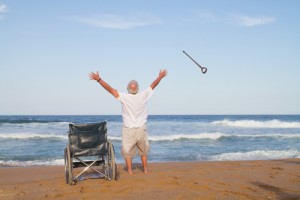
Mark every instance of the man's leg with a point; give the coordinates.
(129, 165)
(143, 146)
(128, 143)
(144, 162)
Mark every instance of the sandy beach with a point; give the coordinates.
(271, 179)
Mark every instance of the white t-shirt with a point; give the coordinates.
(134, 107)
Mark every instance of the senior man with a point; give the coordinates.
(134, 115)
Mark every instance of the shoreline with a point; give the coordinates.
(256, 179)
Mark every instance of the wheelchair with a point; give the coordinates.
(88, 147)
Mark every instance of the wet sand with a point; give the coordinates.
(268, 179)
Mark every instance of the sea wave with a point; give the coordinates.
(34, 125)
(258, 124)
(27, 121)
(52, 162)
(157, 138)
(257, 155)
(14, 163)
(32, 136)
(212, 136)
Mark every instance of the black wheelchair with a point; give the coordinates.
(88, 147)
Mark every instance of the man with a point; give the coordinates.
(134, 114)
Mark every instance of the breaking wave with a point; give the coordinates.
(257, 155)
(14, 163)
(258, 124)
(32, 136)
(212, 136)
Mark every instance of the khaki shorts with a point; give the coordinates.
(134, 139)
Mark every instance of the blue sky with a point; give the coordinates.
(251, 50)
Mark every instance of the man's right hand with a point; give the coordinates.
(163, 73)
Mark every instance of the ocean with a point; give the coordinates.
(40, 140)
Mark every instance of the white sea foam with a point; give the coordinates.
(12, 163)
(31, 136)
(114, 138)
(257, 155)
(273, 135)
(211, 136)
(156, 138)
(54, 162)
(35, 125)
(257, 124)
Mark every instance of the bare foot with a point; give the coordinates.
(145, 171)
(129, 172)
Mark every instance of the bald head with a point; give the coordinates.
(133, 87)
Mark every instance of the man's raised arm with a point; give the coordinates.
(96, 77)
(162, 74)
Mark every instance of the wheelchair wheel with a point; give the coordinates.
(68, 166)
(111, 166)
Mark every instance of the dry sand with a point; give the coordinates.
(272, 179)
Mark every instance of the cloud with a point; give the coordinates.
(3, 8)
(109, 21)
(252, 21)
(241, 20)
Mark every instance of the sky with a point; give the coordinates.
(251, 49)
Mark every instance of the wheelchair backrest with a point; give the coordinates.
(87, 139)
